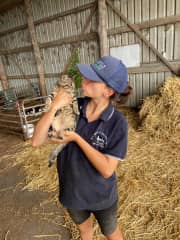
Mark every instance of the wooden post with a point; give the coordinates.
(102, 28)
(140, 35)
(37, 55)
(3, 75)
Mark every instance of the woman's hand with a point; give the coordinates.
(61, 99)
(67, 136)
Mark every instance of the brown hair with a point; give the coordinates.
(121, 98)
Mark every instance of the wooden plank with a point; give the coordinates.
(3, 76)
(50, 44)
(37, 54)
(151, 68)
(144, 39)
(112, 41)
(132, 82)
(124, 36)
(138, 18)
(139, 89)
(145, 32)
(8, 4)
(102, 28)
(177, 10)
(170, 8)
(147, 24)
(10, 127)
(131, 18)
(160, 79)
(153, 30)
(138, 10)
(34, 120)
(153, 83)
(50, 18)
(118, 40)
(145, 85)
(117, 20)
(169, 45)
(167, 74)
(93, 35)
(4, 114)
(109, 16)
(161, 29)
(5, 121)
(147, 68)
(177, 41)
(20, 133)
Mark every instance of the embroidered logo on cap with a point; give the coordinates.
(99, 65)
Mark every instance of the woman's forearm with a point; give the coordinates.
(42, 127)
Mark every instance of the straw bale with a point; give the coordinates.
(160, 113)
(148, 183)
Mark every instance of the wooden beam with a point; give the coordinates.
(37, 54)
(8, 4)
(67, 40)
(70, 40)
(6, 51)
(140, 26)
(93, 35)
(102, 28)
(139, 34)
(73, 39)
(147, 68)
(31, 76)
(50, 18)
(150, 69)
(146, 24)
(3, 76)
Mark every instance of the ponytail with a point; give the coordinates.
(122, 98)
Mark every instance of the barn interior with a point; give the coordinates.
(40, 41)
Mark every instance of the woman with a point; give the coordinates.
(86, 166)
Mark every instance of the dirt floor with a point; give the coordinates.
(24, 215)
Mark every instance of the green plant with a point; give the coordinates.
(73, 70)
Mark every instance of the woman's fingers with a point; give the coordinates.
(62, 99)
(57, 140)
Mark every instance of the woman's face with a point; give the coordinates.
(93, 89)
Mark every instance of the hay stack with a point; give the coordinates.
(160, 113)
(148, 183)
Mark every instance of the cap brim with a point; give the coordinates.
(88, 73)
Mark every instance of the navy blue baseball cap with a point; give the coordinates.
(109, 70)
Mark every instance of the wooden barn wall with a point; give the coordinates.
(57, 35)
(53, 37)
(166, 38)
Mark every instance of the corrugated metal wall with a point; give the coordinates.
(67, 23)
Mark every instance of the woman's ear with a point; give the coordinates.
(110, 91)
